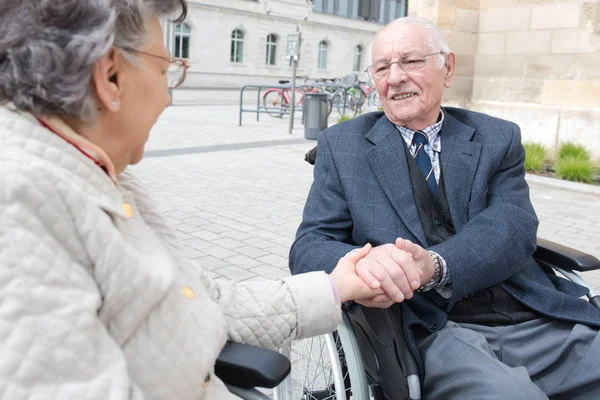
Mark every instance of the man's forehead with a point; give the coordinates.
(399, 40)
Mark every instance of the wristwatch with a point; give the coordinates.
(437, 273)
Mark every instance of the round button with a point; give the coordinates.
(188, 292)
(206, 380)
(433, 327)
(437, 222)
(128, 210)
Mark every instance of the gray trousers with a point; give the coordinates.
(538, 359)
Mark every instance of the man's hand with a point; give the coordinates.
(392, 269)
(421, 258)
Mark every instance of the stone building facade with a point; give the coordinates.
(535, 62)
(236, 42)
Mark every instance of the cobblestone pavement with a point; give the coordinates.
(235, 194)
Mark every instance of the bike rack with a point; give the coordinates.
(260, 109)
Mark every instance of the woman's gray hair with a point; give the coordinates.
(435, 37)
(48, 48)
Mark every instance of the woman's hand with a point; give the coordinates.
(349, 285)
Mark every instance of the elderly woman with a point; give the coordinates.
(96, 301)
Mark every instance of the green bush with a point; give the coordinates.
(535, 154)
(343, 118)
(575, 169)
(380, 108)
(572, 150)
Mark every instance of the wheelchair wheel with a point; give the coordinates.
(321, 370)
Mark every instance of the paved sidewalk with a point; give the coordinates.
(235, 194)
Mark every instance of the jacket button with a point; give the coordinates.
(206, 380)
(128, 210)
(433, 327)
(188, 292)
(437, 222)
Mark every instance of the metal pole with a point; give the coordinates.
(293, 97)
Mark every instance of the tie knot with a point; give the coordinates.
(420, 138)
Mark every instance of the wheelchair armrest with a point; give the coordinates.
(311, 156)
(564, 257)
(248, 366)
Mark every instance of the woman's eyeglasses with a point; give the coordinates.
(177, 70)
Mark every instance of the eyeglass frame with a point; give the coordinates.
(399, 62)
(180, 62)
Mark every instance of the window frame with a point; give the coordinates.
(236, 54)
(182, 35)
(357, 60)
(322, 55)
(271, 49)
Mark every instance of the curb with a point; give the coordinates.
(563, 185)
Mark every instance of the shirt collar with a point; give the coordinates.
(89, 149)
(432, 132)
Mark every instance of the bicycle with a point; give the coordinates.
(277, 100)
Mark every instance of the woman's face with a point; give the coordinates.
(144, 95)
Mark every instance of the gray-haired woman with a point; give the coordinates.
(96, 301)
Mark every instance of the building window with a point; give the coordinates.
(271, 49)
(381, 11)
(322, 60)
(237, 46)
(182, 41)
(357, 58)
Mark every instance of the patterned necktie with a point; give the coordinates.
(423, 160)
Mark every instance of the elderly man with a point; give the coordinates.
(483, 319)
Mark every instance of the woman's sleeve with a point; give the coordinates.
(270, 312)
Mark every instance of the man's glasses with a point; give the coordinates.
(409, 63)
(177, 70)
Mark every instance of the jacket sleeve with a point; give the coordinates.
(52, 343)
(325, 233)
(270, 312)
(494, 243)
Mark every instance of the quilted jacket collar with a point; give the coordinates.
(23, 138)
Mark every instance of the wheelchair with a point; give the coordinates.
(353, 363)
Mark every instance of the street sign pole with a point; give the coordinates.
(293, 54)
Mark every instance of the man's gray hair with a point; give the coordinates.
(435, 37)
(48, 48)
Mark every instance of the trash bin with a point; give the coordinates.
(315, 107)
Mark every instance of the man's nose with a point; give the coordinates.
(397, 74)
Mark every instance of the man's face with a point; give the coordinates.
(410, 99)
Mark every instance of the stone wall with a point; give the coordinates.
(535, 62)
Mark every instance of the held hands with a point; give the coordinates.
(398, 269)
(349, 285)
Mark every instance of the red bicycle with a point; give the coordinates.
(276, 101)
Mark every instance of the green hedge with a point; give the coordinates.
(572, 150)
(535, 155)
(575, 169)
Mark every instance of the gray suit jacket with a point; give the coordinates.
(362, 193)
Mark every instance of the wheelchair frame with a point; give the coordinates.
(548, 254)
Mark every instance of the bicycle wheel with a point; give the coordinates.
(356, 99)
(341, 104)
(373, 99)
(274, 103)
(324, 372)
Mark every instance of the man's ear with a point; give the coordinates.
(106, 75)
(450, 65)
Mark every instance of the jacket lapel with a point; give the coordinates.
(459, 159)
(389, 164)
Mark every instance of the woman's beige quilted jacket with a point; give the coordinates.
(96, 305)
